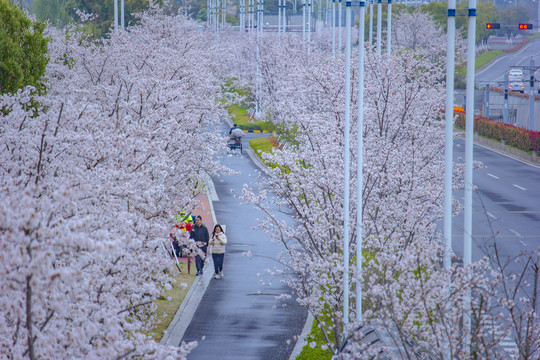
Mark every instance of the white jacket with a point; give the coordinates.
(218, 243)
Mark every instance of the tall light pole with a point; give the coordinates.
(223, 13)
(389, 26)
(279, 20)
(115, 15)
(285, 16)
(449, 130)
(469, 129)
(359, 162)
(262, 17)
(303, 23)
(370, 22)
(334, 29)
(379, 25)
(531, 94)
(122, 14)
(257, 75)
(309, 25)
(347, 174)
(318, 25)
(339, 25)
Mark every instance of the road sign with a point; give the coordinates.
(493, 26)
(525, 26)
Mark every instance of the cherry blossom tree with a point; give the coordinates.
(418, 32)
(91, 177)
(406, 292)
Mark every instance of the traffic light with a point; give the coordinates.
(525, 26)
(490, 26)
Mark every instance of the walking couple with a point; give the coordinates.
(199, 234)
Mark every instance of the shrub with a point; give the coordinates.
(519, 138)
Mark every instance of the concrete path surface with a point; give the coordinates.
(238, 317)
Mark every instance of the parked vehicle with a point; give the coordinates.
(518, 86)
(515, 75)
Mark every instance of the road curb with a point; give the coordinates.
(301, 341)
(504, 150)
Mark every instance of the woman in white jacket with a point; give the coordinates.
(219, 239)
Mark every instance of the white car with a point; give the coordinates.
(515, 75)
(518, 86)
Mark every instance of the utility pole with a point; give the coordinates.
(284, 16)
(339, 26)
(279, 19)
(449, 131)
(360, 162)
(370, 22)
(379, 26)
(389, 26)
(334, 29)
(487, 101)
(347, 173)
(303, 24)
(469, 138)
(115, 15)
(309, 25)
(531, 95)
(505, 109)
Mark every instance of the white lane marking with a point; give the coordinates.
(522, 243)
(516, 233)
(491, 215)
(519, 187)
(493, 176)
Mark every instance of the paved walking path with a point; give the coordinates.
(238, 317)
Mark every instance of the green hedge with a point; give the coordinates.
(519, 138)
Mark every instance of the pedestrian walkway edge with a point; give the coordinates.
(301, 341)
(257, 161)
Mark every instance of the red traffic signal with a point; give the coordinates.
(525, 26)
(493, 26)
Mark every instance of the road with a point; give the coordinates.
(494, 73)
(238, 318)
(506, 206)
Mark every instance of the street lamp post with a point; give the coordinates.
(449, 130)
(309, 25)
(347, 174)
(370, 22)
(115, 15)
(531, 94)
(279, 20)
(505, 106)
(379, 25)
(334, 29)
(339, 25)
(359, 163)
(469, 130)
(389, 26)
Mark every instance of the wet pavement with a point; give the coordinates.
(237, 317)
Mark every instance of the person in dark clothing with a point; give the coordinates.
(234, 127)
(200, 235)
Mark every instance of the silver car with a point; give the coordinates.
(518, 86)
(515, 75)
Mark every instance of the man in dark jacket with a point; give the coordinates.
(199, 233)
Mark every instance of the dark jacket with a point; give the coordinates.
(200, 235)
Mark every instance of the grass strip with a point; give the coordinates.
(167, 309)
(315, 353)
